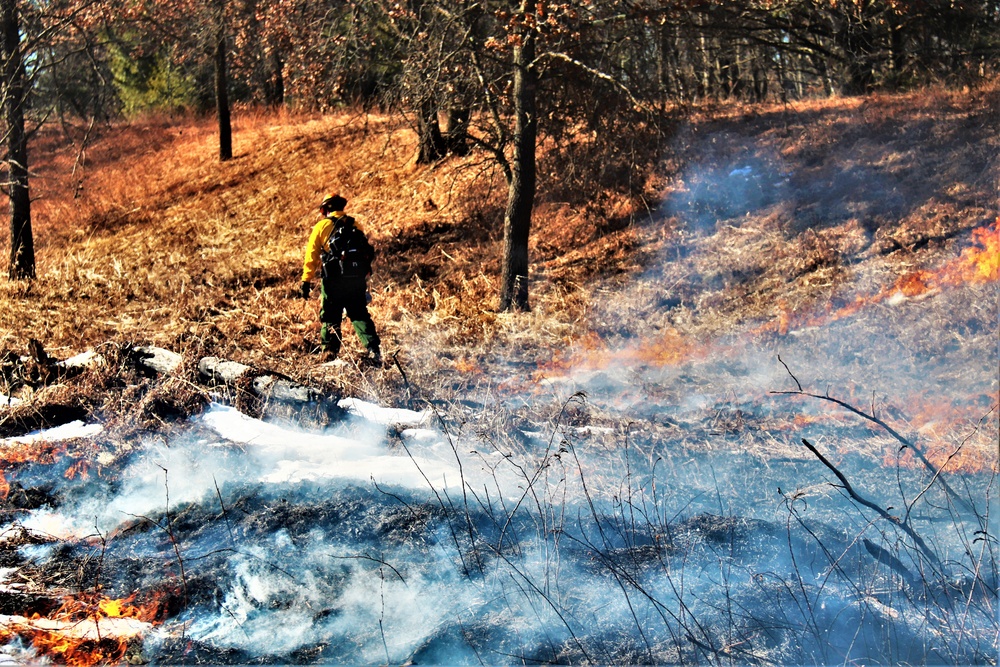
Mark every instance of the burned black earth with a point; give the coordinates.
(596, 541)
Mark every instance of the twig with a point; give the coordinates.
(465, 496)
(381, 615)
(225, 515)
(97, 579)
(548, 600)
(373, 559)
(405, 504)
(790, 374)
(451, 528)
(937, 475)
(895, 434)
(835, 562)
(235, 620)
(231, 550)
(406, 381)
(170, 534)
(872, 506)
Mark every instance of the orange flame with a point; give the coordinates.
(982, 264)
(45, 453)
(83, 633)
(468, 365)
(37, 452)
(592, 353)
(83, 653)
(977, 264)
(914, 284)
(81, 468)
(41, 452)
(944, 434)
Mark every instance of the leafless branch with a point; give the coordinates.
(895, 434)
(858, 498)
(640, 105)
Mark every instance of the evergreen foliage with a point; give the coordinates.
(149, 82)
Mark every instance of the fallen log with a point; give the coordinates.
(266, 385)
(214, 370)
(158, 359)
(90, 629)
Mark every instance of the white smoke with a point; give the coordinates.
(163, 475)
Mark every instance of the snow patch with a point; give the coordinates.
(421, 435)
(81, 360)
(292, 456)
(376, 414)
(74, 429)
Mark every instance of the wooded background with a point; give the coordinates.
(495, 76)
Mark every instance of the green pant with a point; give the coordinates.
(346, 294)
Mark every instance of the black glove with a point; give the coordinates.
(305, 289)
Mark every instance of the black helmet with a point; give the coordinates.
(332, 203)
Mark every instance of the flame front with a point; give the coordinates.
(982, 260)
(979, 263)
(83, 633)
(592, 353)
(976, 265)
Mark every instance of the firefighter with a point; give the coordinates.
(341, 253)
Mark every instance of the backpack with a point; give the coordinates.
(349, 254)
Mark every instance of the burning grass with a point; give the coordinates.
(856, 238)
(196, 253)
(86, 629)
(978, 263)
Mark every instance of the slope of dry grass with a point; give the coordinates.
(152, 240)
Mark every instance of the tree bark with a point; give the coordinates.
(222, 95)
(432, 145)
(521, 189)
(22, 247)
(457, 140)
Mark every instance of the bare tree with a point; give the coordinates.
(521, 183)
(222, 87)
(22, 248)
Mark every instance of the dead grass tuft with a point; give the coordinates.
(152, 241)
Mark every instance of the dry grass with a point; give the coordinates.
(153, 241)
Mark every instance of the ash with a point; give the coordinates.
(598, 529)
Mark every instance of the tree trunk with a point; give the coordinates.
(855, 39)
(897, 48)
(432, 145)
(521, 189)
(222, 95)
(458, 131)
(276, 81)
(22, 247)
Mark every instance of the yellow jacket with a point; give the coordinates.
(319, 241)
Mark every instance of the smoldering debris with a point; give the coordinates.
(661, 513)
(593, 556)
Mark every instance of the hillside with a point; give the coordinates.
(754, 215)
(751, 417)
